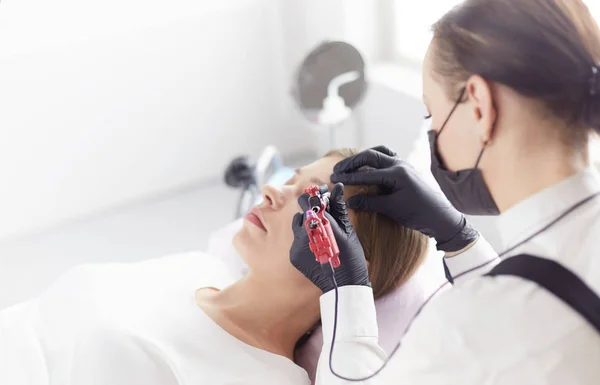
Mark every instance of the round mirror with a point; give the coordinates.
(330, 83)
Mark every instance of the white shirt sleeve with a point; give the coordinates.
(433, 351)
(476, 261)
(356, 351)
(117, 357)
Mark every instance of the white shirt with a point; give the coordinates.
(128, 324)
(493, 331)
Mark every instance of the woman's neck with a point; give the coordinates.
(535, 169)
(262, 315)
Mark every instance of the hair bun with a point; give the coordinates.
(545, 50)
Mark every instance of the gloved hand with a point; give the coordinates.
(353, 265)
(408, 199)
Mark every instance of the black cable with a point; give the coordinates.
(335, 319)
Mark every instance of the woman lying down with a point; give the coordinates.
(182, 319)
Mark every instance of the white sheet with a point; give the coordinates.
(126, 324)
(22, 359)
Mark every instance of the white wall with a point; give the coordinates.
(103, 104)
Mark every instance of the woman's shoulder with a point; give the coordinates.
(119, 356)
(194, 265)
(183, 261)
(198, 267)
(125, 290)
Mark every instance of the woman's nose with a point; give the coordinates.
(274, 197)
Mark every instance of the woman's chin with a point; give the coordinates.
(245, 243)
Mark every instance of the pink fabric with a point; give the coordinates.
(394, 313)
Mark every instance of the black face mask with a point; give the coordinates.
(465, 189)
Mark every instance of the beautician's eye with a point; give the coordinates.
(427, 117)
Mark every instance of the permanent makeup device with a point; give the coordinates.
(321, 239)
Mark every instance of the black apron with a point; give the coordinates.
(556, 279)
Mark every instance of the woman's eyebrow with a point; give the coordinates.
(313, 179)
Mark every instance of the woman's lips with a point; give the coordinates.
(254, 218)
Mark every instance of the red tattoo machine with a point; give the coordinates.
(321, 239)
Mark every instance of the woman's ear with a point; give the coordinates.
(480, 93)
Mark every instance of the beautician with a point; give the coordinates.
(513, 93)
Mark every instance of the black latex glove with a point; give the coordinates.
(408, 199)
(353, 265)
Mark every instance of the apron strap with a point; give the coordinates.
(556, 279)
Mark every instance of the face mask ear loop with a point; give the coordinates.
(480, 155)
(462, 93)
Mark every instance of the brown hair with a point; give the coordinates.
(548, 50)
(394, 252)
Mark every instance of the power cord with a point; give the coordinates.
(335, 321)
